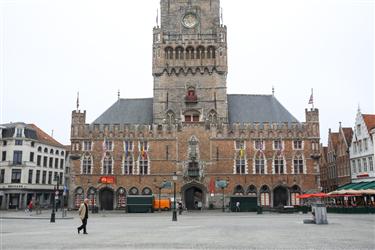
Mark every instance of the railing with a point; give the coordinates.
(191, 99)
(193, 173)
(180, 37)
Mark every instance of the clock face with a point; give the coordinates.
(190, 20)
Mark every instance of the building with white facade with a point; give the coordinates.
(362, 149)
(32, 166)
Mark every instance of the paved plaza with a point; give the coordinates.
(206, 230)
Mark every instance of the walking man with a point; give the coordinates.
(84, 215)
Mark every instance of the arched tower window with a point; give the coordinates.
(212, 116)
(200, 52)
(179, 53)
(171, 117)
(107, 164)
(211, 52)
(168, 53)
(86, 164)
(190, 53)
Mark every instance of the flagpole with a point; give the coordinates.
(312, 94)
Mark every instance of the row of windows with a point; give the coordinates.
(179, 53)
(360, 146)
(46, 177)
(47, 161)
(51, 151)
(18, 143)
(108, 145)
(277, 145)
(362, 165)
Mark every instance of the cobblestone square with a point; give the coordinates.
(206, 230)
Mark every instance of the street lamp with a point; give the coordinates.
(55, 197)
(174, 215)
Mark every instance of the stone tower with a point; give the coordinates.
(190, 63)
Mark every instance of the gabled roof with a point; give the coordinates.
(348, 133)
(369, 121)
(257, 108)
(334, 138)
(128, 111)
(44, 137)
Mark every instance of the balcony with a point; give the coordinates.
(193, 172)
(191, 99)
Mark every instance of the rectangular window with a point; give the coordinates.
(359, 129)
(129, 146)
(19, 132)
(61, 178)
(2, 175)
(108, 145)
(279, 165)
(38, 160)
(31, 156)
(16, 175)
(360, 145)
(17, 157)
(240, 166)
(18, 143)
(240, 144)
(143, 167)
(49, 177)
(128, 165)
(277, 145)
(259, 145)
(4, 156)
(355, 147)
(56, 163)
(87, 145)
(37, 177)
(265, 199)
(32, 144)
(5, 143)
(364, 163)
(30, 179)
(359, 166)
(259, 165)
(297, 144)
(371, 164)
(61, 163)
(294, 199)
(55, 176)
(365, 146)
(45, 159)
(50, 162)
(44, 177)
(354, 167)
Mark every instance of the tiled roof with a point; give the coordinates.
(348, 133)
(128, 111)
(370, 121)
(257, 108)
(44, 137)
(334, 137)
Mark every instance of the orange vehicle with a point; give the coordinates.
(165, 204)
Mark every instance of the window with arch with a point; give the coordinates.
(190, 53)
(251, 191)
(107, 164)
(211, 52)
(298, 165)
(86, 164)
(45, 150)
(192, 116)
(51, 151)
(265, 196)
(146, 191)
(128, 164)
(238, 190)
(212, 116)
(240, 165)
(169, 53)
(294, 192)
(133, 191)
(91, 195)
(191, 95)
(57, 152)
(143, 166)
(171, 117)
(278, 164)
(78, 197)
(39, 149)
(179, 53)
(200, 52)
(260, 163)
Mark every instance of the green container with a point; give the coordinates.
(247, 203)
(140, 204)
(259, 210)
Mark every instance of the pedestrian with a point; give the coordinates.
(84, 215)
(180, 207)
(237, 206)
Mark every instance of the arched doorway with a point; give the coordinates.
(193, 198)
(280, 196)
(106, 199)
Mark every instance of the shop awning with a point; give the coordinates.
(361, 188)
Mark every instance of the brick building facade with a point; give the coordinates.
(193, 128)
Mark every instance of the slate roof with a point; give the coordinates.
(257, 108)
(242, 109)
(128, 111)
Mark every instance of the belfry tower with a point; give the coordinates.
(190, 63)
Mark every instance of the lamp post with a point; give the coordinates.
(174, 215)
(55, 197)
(222, 184)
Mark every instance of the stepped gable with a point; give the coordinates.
(128, 111)
(257, 108)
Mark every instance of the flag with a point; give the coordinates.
(143, 151)
(311, 101)
(212, 185)
(242, 153)
(126, 149)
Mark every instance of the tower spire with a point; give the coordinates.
(118, 95)
(77, 101)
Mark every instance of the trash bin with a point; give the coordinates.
(319, 212)
(259, 210)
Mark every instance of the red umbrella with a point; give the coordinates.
(319, 195)
(304, 196)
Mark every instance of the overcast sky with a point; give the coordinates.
(50, 50)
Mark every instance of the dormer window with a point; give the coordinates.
(19, 132)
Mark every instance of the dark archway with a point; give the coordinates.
(106, 199)
(193, 197)
(280, 196)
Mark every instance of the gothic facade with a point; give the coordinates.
(194, 129)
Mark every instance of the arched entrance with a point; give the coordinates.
(280, 196)
(193, 198)
(106, 199)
